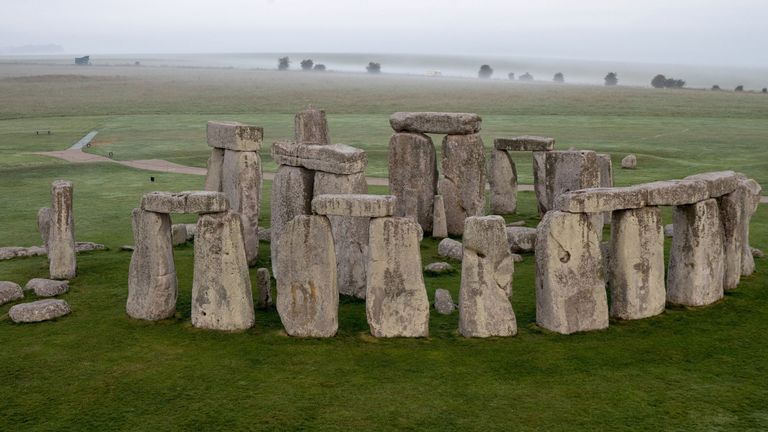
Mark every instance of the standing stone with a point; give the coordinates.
(636, 268)
(178, 234)
(569, 171)
(502, 175)
(264, 287)
(44, 225)
(291, 196)
(570, 288)
(350, 234)
(215, 171)
(443, 302)
(307, 294)
(696, 262)
(311, 127)
(396, 302)
(10, 291)
(411, 201)
(61, 243)
(605, 168)
(221, 289)
(152, 283)
(752, 201)
(629, 162)
(439, 224)
(540, 180)
(413, 167)
(486, 280)
(241, 182)
(732, 211)
(463, 182)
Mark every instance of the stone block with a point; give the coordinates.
(354, 205)
(525, 143)
(502, 176)
(333, 158)
(292, 190)
(311, 127)
(521, 239)
(718, 183)
(61, 241)
(185, 202)
(568, 171)
(234, 136)
(214, 170)
(241, 183)
(463, 182)
(436, 122)
(598, 200)
(439, 224)
(37, 311)
(674, 192)
(413, 168)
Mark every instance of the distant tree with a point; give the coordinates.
(765, 89)
(320, 67)
(739, 88)
(307, 64)
(283, 63)
(511, 75)
(526, 77)
(659, 81)
(559, 78)
(612, 79)
(485, 71)
(715, 87)
(373, 68)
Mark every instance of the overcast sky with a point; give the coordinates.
(733, 32)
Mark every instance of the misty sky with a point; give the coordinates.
(731, 32)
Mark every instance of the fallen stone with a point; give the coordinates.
(438, 268)
(599, 200)
(241, 183)
(502, 176)
(396, 302)
(292, 190)
(185, 202)
(311, 127)
(264, 289)
(332, 158)
(178, 234)
(47, 287)
(486, 280)
(718, 183)
(89, 246)
(439, 224)
(674, 192)
(354, 205)
(525, 143)
(669, 230)
(10, 291)
(570, 289)
(450, 248)
(463, 182)
(516, 223)
(61, 241)
(757, 253)
(521, 239)
(629, 162)
(234, 136)
(44, 216)
(568, 171)
(37, 311)
(436, 122)
(215, 171)
(413, 170)
(517, 258)
(443, 302)
(307, 294)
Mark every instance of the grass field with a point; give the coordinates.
(697, 369)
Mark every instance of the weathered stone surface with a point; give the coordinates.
(669, 230)
(178, 234)
(350, 234)
(753, 190)
(47, 287)
(463, 182)
(605, 166)
(152, 283)
(439, 224)
(311, 127)
(525, 143)
(264, 289)
(221, 288)
(234, 136)
(354, 205)
(443, 302)
(636, 266)
(61, 241)
(718, 183)
(44, 216)
(674, 192)
(436, 122)
(10, 291)
(568, 171)
(502, 176)
(540, 180)
(732, 215)
(411, 206)
(332, 158)
(570, 288)
(597, 200)
(486, 280)
(215, 170)
(185, 202)
(307, 294)
(396, 301)
(291, 196)
(521, 239)
(696, 262)
(757, 253)
(451, 248)
(37, 311)
(241, 182)
(629, 162)
(438, 268)
(413, 169)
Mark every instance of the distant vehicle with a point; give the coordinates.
(435, 74)
(83, 61)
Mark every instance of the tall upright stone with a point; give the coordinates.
(502, 176)
(540, 180)
(307, 294)
(152, 283)
(311, 127)
(570, 286)
(396, 302)
(696, 261)
(413, 167)
(463, 182)
(439, 224)
(636, 266)
(751, 202)
(221, 288)
(61, 243)
(44, 216)
(291, 196)
(241, 182)
(732, 215)
(215, 170)
(605, 168)
(486, 280)
(569, 171)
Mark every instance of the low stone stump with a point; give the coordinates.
(451, 248)
(486, 280)
(525, 143)
(502, 176)
(214, 171)
(358, 205)
(37, 311)
(234, 136)
(47, 287)
(570, 288)
(521, 239)
(569, 171)
(413, 170)
(332, 158)
(396, 302)
(10, 291)
(436, 122)
(241, 183)
(463, 182)
(696, 261)
(311, 127)
(221, 289)
(292, 191)
(439, 223)
(185, 202)
(636, 267)
(307, 294)
(61, 241)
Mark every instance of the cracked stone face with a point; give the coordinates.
(413, 171)
(463, 182)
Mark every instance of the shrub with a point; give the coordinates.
(659, 81)
(559, 78)
(320, 67)
(307, 64)
(511, 75)
(373, 68)
(283, 63)
(715, 87)
(612, 79)
(765, 89)
(485, 71)
(526, 77)
(739, 88)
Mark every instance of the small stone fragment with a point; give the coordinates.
(669, 230)
(450, 248)
(443, 302)
(517, 258)
(10, 291)
(629, 162)
(47, 287)
(757, 253)
(521, 239)
(37, 311)
(436, 122)
(265, 234)
(438, 268)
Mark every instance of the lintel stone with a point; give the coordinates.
(354, 205)
(525, 143)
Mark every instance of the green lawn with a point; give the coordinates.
(698, 369)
